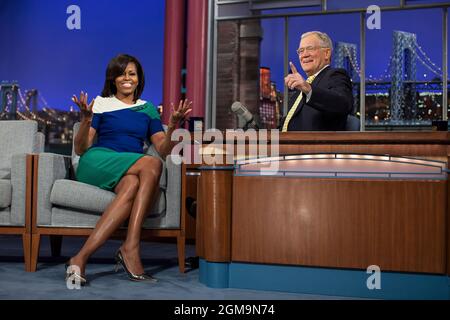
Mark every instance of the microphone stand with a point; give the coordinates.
(246, 126)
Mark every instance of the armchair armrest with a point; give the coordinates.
(39, 142)
(170, 181)
(51, 167)
(151, 151)
(19, 186)
(173, 191)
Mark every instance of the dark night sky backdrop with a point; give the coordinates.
(40, 52)
(427, 24)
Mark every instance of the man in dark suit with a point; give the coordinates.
(322, 101)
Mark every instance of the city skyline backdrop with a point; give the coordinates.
(41, 53)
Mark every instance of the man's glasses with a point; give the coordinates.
(301, 51)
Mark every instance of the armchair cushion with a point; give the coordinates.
(5, 173)
(5, 217)
(71, 218)
(5, 193)
(91, 199)
(79, 195)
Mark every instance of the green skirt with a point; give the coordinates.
(103, 167)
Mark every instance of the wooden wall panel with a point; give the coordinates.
(342, 223)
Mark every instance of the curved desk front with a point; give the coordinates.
(332, 210)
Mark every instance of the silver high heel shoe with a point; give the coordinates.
(134, 277)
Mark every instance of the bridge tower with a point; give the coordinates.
(31, 97)
(403, 76)
(9, 89)
(345, 56)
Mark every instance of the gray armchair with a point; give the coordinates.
(18, 141)
(65, 206)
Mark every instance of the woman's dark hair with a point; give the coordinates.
(116, 68)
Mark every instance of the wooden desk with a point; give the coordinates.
(400, 225)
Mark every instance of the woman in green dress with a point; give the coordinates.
(121, 122)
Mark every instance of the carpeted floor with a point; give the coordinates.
(160, 260)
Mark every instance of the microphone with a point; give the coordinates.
(243, 113)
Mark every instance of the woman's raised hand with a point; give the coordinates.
(85, 108)
(177, 114)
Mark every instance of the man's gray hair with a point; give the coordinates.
(324, 38)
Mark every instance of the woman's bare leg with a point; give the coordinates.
(148, 169)
(115, 214)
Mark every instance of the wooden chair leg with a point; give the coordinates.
(55, 245)
(26, 240)
(181, 246)
(35, 245)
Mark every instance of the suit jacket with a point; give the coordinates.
(330, 103)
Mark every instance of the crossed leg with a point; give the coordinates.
(135, 193)
(115, 214)
(148, 171)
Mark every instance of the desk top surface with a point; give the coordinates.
(305, 137)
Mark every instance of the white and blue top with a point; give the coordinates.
(122, 127)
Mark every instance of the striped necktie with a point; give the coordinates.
(295, 106)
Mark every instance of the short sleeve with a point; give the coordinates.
(96, 109)
(155, 124)
(96, 120)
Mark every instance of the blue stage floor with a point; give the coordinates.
(159, 259)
